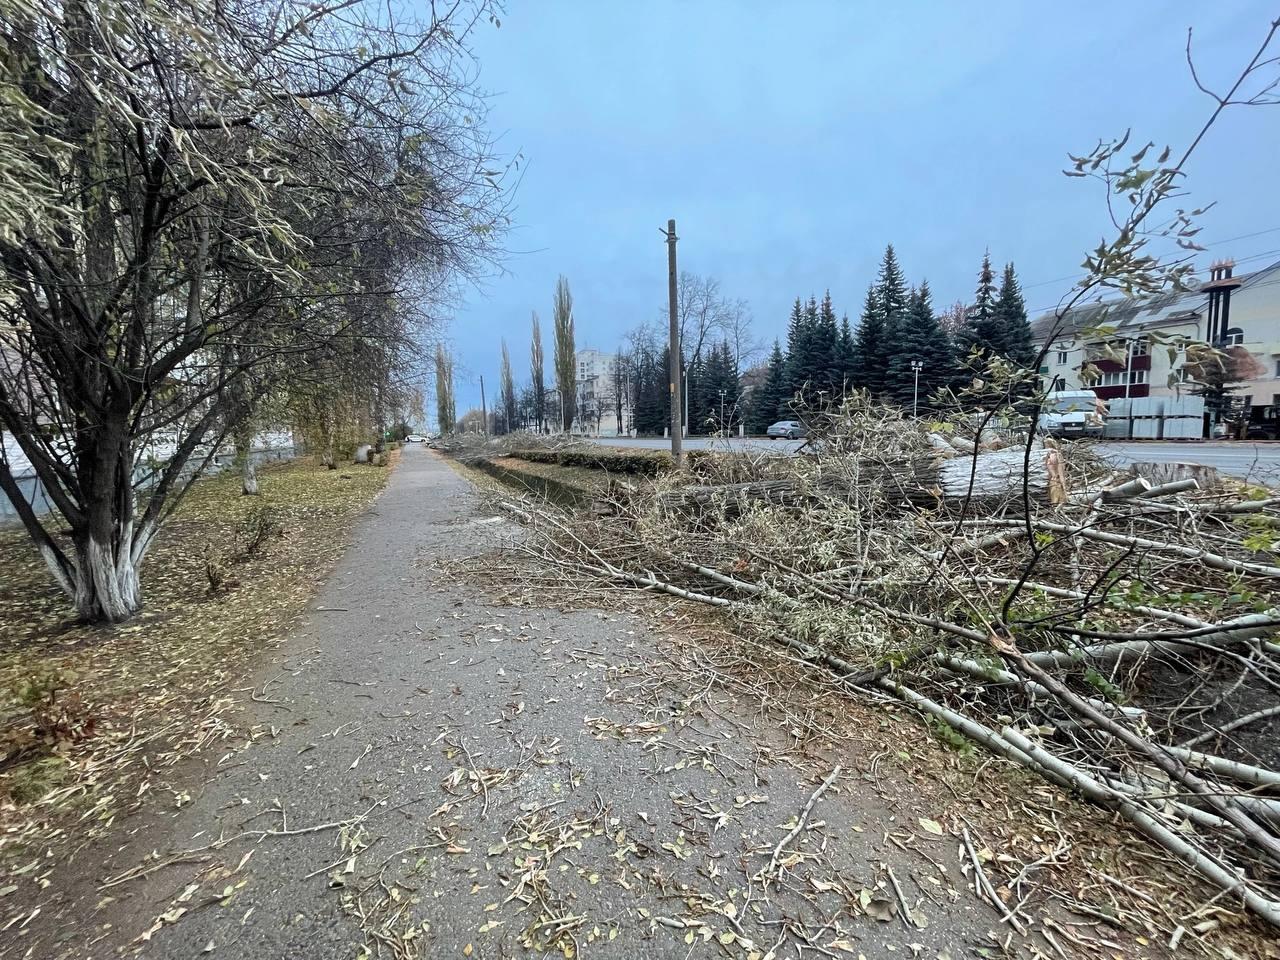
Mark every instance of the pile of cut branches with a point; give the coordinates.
(472, 446)
(1110, 634)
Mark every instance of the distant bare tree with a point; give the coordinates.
(620, 389)
(953, 319)
(747, 345)
(445, 410)
(507, 392)
(566, 353)
(537, 375)
(703, 313)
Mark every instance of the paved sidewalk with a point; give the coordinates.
(432, 775)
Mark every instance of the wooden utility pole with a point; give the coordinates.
(484, 411)
(675, 365)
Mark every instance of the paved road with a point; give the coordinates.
(445, 777)
(1254, 461)
(1257, 461)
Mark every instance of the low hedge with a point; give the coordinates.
(639, 462)
(558, 490)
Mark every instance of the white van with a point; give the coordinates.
(1072, 413)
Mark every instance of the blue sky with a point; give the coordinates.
(792, 141)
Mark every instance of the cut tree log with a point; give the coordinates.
(924, 481)
(1160, 472)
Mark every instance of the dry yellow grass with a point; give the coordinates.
(155, 689)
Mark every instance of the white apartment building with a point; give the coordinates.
(596, 394)
(1226, 310)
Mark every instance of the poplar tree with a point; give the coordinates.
(445, 410)
(565, 353)
(507, 391)
(539, 386)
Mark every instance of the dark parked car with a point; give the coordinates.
(786, 430)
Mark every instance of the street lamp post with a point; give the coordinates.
(722, 430)
(916, 367)
(685, 426)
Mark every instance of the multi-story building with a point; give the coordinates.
(597, 388)
(1135, 348)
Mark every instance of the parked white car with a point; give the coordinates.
(786, 430)
(1073, 413)
(415, 438)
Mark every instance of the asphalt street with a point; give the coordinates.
(1247, 460)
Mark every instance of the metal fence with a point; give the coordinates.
(33, 491)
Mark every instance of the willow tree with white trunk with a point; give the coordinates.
(201, 204)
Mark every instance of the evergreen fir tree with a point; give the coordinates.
(891, 290)
(846, 356)
(827, 373)
(869, 347)
(797, 349)
(812, 363)
(981, 326)
(696, 403)
(920, 337)
(1011, 321)
(767, 399)
(724, 388)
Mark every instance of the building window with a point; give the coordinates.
(1138, 348)
(1278, 368)
(1137, 376)
(1112, 378)
(1233, 337)
(1062, 358)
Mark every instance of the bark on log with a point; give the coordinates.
(923, 481)
(1160, 472)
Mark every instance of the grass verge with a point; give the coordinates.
(93, 718)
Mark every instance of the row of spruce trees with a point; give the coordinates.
(714, 388)
(825, 358)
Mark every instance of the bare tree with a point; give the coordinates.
(539, 386)
(954, 319)
(747, 345)
(566, 353)
(445, 409)
(620, 388)
(507, 392)
(705, 314)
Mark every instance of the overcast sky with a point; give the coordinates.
(792, 141)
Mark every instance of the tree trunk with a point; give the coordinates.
(328, 458)
(922, 482)
(105, 585)
(249, 477)
(244, 459)
(106, 581)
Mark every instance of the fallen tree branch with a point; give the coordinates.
(1235, 724)
(1204, 865)
(801, 820)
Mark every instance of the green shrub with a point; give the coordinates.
(637, 462)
